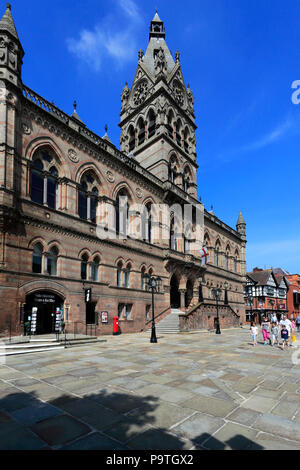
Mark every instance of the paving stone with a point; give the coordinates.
(261, 404)
(264, 392)
(212, 406)
(60, 430)
(281, 427)
(244, 416)
(271, 442)
(161, 415)
(34, 413)
(95, 441)
(196, 427)
(19, 438)
(158, 439)
(234, 437)
(285, 409)
(231, 377)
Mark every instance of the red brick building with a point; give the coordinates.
(293, 296)
(56, 176)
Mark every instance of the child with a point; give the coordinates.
(285, 337)
(274, 333)
(254, 333)
(265, 330)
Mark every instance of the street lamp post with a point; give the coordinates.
(250, 300)
(200, 290)
(217, 295)
(226, 293)
(272, 303)
(153, 284)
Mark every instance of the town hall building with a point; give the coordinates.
(56, 175)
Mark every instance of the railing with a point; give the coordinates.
(52, 109)
(92, 328)
(157, 316)
(45, 105)
(196, 307)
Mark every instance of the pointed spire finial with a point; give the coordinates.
(7, 22)
(75, 106)
(106, 129)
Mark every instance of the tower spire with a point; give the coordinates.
(7, 22)
(157, 29)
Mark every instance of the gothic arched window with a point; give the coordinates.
(127, 276)
(172, 170)
(186, 179)
(44, 180)
(217, 254)
(147, 223)
(88, 194)
(141, 131)
(122, 213)
(37, 258)
(185, 139)
(95, 269)
(227, 254)
(151, 123)
(178, 133)
(84, 263)
(52, 261)
(170, 127)
(119, 273)
(131, 134)
(173, 235)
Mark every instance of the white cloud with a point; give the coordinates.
(269, 138)
(107, 39)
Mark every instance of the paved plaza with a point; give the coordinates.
(189, 391)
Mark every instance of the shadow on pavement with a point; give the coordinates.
(98, 421)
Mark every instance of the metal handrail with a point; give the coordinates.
(157, 316)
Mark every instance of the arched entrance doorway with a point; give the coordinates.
(189, 293)
(174, 292)
(45, 303)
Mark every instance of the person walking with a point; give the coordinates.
(274, 333)
(288, 324)
(285, 337)
(298, 323)
(254, 333)
(265, 328)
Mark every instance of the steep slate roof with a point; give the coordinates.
(7, 22)
(260, 277)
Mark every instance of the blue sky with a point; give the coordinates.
(240, 58)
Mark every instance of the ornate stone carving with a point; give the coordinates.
(139, 193)
(190, 98)
(73, 156)
(25, 128)
(178, 93)
(125, 96)
(140, 93)
(160, 63)
(110, 177)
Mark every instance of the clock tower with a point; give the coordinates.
(157, 116)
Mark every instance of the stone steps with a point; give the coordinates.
(37, 345)
(170, 324)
